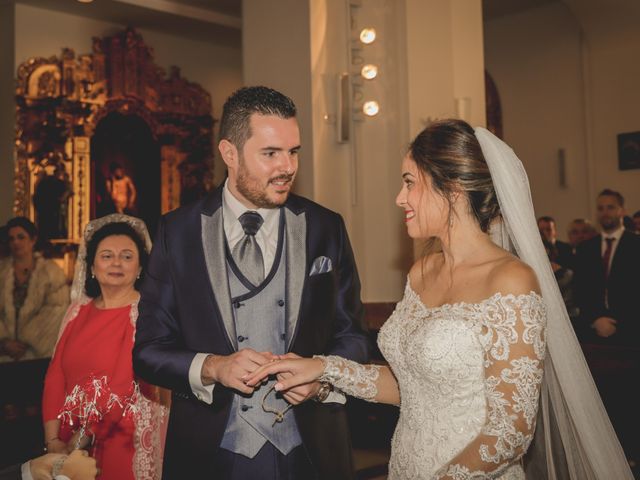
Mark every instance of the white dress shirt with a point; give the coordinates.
(267, 235)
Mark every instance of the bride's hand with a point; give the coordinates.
(302, 370)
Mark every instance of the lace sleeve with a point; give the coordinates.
(350, 377)
(513, 338)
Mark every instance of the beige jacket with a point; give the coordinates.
(43, 309)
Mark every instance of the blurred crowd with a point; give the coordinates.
(598, 272)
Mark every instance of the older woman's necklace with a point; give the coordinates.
(22, 271)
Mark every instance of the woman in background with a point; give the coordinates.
(33, 296)
(94, 354)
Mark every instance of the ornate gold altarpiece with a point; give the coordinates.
(61, 100)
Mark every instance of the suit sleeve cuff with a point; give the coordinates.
(202, 392)
(26, 471)
(336, 397)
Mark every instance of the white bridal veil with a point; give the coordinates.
(574, 438)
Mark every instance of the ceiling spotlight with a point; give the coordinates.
(369, 71)
(370, 108)
(367, 35)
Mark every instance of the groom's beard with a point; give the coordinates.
(251, 188)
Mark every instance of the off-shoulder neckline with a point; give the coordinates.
(491, 298)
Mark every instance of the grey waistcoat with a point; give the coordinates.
(260, 321)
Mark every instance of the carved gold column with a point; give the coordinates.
(80, 202)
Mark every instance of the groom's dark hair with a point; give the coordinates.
(235, 123)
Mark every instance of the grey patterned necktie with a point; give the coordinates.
(246, 253)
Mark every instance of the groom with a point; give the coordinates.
(249, 272)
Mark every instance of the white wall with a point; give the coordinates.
(276, 53)
(383, 249)
(569, 81)
(614, 73)
(301, 47)
(535, 59)
(43, 33)
(444, 64)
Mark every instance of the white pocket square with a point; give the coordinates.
(321, 265)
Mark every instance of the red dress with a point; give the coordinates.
(97, 343)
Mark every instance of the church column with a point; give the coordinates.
(445, 61)
(444, 64)
(276, 53)
(7, 108)
(429, 55)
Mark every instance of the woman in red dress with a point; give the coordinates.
(93, 356)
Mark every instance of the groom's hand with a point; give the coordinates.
(229, 370)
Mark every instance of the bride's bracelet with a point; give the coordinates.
(350, 377)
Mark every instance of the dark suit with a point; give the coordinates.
(186, 308)
(623, 286)
(11, 473)
(614, 361)
(565, 254)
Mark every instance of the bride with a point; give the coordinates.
(481, 337)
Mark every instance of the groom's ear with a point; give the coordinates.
(229, 153)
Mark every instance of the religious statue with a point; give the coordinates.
(121, 189)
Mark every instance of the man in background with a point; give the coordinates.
(560, 251)
(607, 283)
(579, 231)
(636, 222)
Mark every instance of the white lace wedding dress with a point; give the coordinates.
(469, 377)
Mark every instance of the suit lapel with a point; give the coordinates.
(214, 254)
(296, 234)
(618, 255)
(596, 253)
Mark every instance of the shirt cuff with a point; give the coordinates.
(335, 397)
(26, 471)
(202, 392)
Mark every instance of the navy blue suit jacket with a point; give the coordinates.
(11, 473)
(181, 315)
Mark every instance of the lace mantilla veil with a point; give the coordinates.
(150, 417)
(574, 439)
